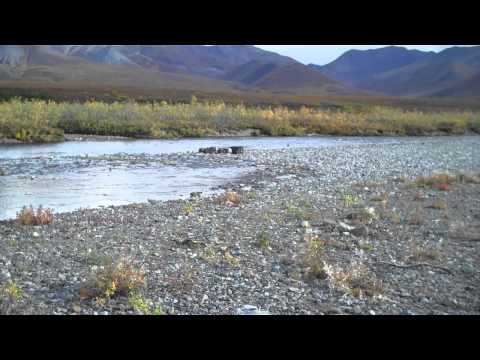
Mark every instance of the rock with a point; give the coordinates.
(36, 234)
(250, 310)
(237, 150)
(345, 227)
(224, 151)
(360, 231)
(77, 309)
(357, 310)
(195, 195)
(305, 224)
(3, 172)
(210, 150)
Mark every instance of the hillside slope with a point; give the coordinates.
(411, 73)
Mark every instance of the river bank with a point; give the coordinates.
(416, 252)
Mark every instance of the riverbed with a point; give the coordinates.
(90, 174)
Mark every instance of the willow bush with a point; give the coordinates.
(47, 121)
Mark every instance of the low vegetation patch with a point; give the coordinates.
(356, 280)
(439, 204)
(423, 253)
(264, 240)
(315, 258)
(349, 200)
(47, 121)
(230, 198)
(417, 217)
(303, 210)
(144, 306)
(28, 216)
(115, 279)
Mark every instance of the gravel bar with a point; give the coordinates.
(207, 256)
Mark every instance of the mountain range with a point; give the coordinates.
(243, 69)
(400, 72)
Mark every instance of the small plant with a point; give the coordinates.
(300, 213)
(314, 258)
(439, 204)
(112, 280)
(209, 254)
(188, 209)
(350, 200)
(230, 259)
(230, 197)
(12, 291)
(144, 306)
(417, 218)
(422, 253)
(28, 216)
(264, 240)
(441, 181)
(355, 280)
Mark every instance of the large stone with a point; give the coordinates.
(209, 150)
(360, 231)
(237, 150)
(250, 310)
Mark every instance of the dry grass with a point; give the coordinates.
(230, 198)
(419, 197)
(419, 253)
(439, 204)
(356, 280)
(383, 197)
(445, 181)
(28, 216)
(417, 217)
(314, 258)
(440, 180)
(115, 279)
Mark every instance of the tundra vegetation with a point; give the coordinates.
(48, 121)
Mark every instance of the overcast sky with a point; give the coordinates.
(323, 54)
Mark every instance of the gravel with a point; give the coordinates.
(207, 258)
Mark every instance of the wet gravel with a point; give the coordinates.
(205, 256)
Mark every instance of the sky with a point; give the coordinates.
(324, 54)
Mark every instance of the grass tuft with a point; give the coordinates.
(28, 216)
(112, 280)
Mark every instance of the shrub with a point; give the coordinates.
(28, 216)
(44, 121)
(314, 258)
(422, 253)
(355, 280)
(441, 181)
(230, 197)
(112, 280)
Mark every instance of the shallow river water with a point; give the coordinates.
(48, 174)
